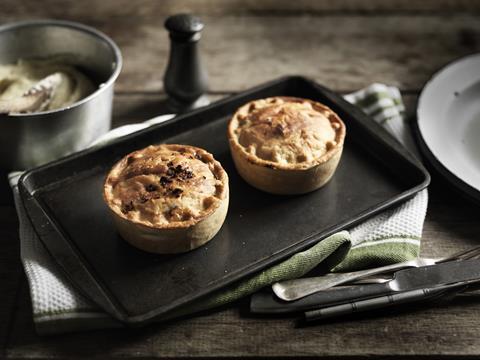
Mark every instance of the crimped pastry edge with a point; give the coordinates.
(339, 137)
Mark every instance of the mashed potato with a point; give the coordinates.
(17, 80)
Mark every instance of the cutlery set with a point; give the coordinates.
(341, 294)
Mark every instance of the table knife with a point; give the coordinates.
(403, 280)
(399, 298)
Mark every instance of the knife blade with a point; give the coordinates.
(403, 280)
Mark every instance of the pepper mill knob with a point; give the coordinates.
(185, 79)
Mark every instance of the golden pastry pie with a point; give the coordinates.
(167, 198)
(286, 145)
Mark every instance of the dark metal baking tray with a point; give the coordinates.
(64, 202)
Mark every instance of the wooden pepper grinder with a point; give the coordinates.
(185, 79)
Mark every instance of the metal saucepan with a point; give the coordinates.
(28, 140)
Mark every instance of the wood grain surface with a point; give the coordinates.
(92, 9)
(343, 44)
(343, 52)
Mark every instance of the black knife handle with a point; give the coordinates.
(366, 305)
(380, 302)
(268, 303)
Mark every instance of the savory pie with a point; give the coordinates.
(167, 198)
(286, 145)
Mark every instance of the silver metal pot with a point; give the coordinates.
(28, 140)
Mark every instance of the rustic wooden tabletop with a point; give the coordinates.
(345, 44)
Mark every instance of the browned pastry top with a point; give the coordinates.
(166, 186)
(286, 132)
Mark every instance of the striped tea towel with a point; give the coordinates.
(394, 235)
(391, 236)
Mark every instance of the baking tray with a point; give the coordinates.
(64, 202)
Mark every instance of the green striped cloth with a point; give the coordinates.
(391, 236)
(394, 235)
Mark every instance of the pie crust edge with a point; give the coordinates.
(287, 179)
(175, 237)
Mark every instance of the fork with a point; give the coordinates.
(290, 290)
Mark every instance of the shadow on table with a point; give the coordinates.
(23, 341)
(6, 197)
(145, 109)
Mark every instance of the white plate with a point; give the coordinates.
(448, 117)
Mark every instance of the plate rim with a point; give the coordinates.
(471, 192)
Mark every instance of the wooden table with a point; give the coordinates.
(345, 44)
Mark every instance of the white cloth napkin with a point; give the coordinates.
(58, 307)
